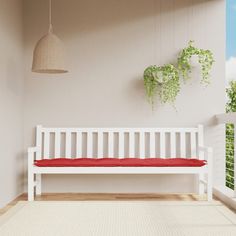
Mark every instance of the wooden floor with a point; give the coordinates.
(106, 197)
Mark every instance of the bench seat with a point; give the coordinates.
(123, 162)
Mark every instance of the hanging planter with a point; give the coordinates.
(205, 59)
(162, 81)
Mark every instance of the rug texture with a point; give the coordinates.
(118, 218)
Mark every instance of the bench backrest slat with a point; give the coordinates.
(100, 137)
(141, 145)
(89, 144)
(68, 144)
(200, 141)
(46, 143)
(118, 142)
(110, 147)
(173, 144)
(152, 144)
(193, 144)
(162, 145)
(121, 144)
(78, 144)
(39, 141)
(57, 144)
(182, 144)
(131, 144)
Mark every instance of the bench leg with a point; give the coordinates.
(200, 184)
(38, 184)
(210, 175)
(209, 186)
(30, 186)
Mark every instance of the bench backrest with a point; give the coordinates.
(118, 142)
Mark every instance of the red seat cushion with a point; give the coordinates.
(125, 162)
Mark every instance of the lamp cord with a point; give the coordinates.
(50, 16)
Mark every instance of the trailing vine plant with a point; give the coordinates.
(205, 59)
(229, 135)
(162, 81)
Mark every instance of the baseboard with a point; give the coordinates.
(226, 199)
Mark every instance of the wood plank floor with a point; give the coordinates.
(106, 197)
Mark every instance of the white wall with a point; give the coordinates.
(11, 94)
(109, 44)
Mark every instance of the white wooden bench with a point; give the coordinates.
(119, 142)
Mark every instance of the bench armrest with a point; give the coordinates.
(205, 149)
(33, 149)
(208, 154)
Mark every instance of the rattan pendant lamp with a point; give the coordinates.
(48, 54)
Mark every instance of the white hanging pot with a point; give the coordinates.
(194, 60)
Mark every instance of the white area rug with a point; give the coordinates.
(118, 218)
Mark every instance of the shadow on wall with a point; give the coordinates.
(109, 44)
(13, 80)
(20, 180)
(71, 16)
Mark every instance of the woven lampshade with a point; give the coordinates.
(49, 55)
(49, 52)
